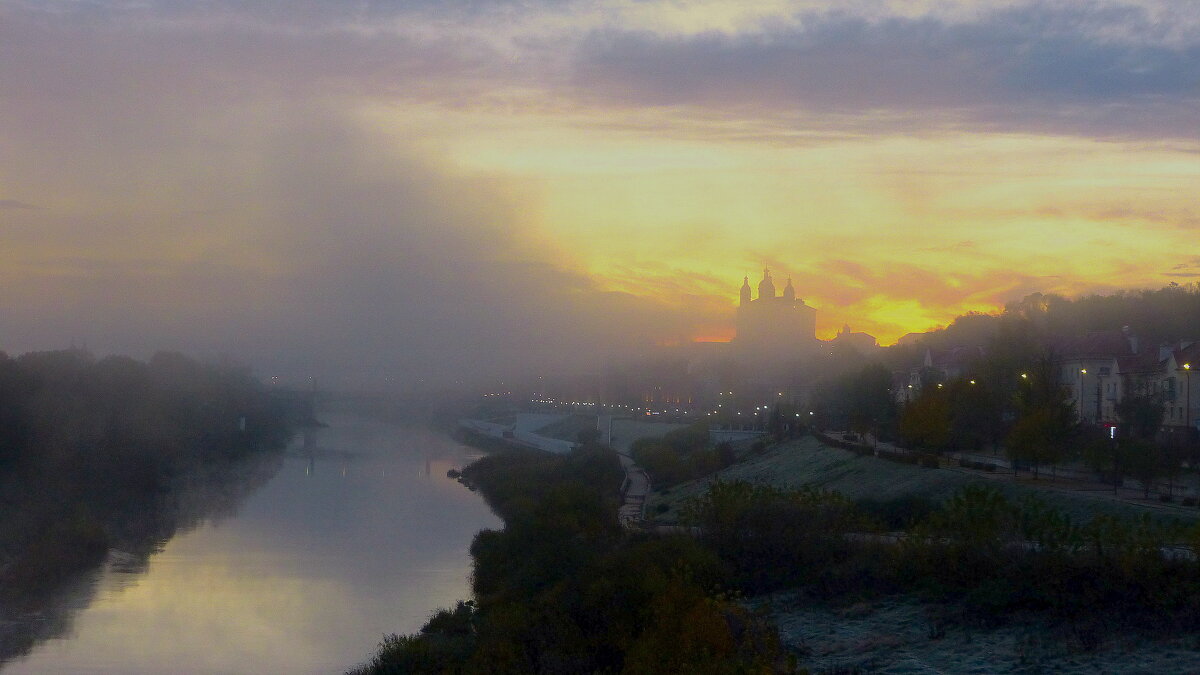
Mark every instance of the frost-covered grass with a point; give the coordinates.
(901, 636)
(808, 463)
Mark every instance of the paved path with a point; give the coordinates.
(1058, 479)
(634, 490)
(636, 487)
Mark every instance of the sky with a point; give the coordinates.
(438, 189)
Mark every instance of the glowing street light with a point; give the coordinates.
(1188, 419)
(1082, 372)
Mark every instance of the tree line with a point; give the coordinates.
(91, 448)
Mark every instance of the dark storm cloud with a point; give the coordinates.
(1042, 67)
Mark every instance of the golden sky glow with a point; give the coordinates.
(891, 233)
(593, 174)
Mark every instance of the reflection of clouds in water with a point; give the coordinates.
(316, 566)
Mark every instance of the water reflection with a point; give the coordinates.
(359, 533)
(211, 493)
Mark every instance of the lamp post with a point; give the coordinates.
(1187, 374)
(1082, 372)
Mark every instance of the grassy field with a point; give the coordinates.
(903, 636)
(808, 462)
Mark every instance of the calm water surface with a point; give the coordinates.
(359, 534)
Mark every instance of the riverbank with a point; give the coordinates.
(563, 588)
(562, 583)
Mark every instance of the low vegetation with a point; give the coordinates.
(562, 589)
(681, 455)
(980, 551)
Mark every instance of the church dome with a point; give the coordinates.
(766, 287)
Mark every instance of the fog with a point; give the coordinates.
(406, 192)
(198, 190)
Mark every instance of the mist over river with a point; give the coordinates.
(360, 533)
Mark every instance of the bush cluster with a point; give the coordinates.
(989, 555)
(562, 589)
(683, 454)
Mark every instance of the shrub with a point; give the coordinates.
(899, 513)
(773, 536)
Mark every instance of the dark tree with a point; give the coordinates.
(1046, 419)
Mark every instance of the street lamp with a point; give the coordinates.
(1083, 371)
(1187, 371)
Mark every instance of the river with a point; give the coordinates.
(359, 534)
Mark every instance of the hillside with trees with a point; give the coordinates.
(1006, 394)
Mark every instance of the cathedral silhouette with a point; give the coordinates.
(774, 327)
